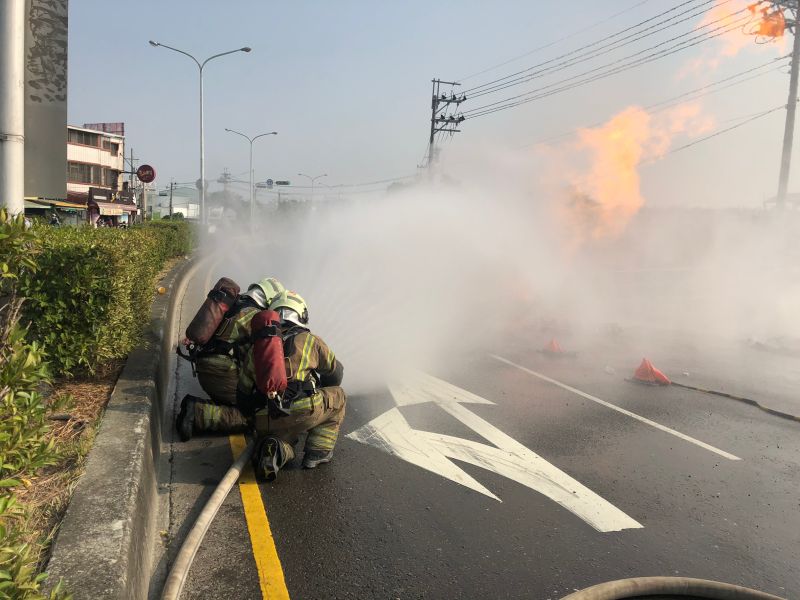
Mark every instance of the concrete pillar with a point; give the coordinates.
(12, 105)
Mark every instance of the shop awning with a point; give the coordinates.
(44, 203)
(68, 205)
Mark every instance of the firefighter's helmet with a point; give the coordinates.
(269, 287)
(291, 307)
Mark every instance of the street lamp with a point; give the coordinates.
(252, 189)
(313, 179)
(200, 66)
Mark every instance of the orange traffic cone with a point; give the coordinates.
(647, 373)
(553, 347)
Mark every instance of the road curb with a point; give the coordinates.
(104, 546)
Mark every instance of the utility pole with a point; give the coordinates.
(132, 169)
(439, 122)
(791, 107)
(171, 187)
(225, 179)
(12, 105)
(144, 202)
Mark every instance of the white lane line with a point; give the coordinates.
(659, 426)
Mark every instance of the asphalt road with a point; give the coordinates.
(550, 490)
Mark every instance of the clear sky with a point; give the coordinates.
(347, 86)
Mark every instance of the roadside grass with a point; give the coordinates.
(80, 405)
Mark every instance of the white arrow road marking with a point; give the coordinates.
(391, 433)
(420, 388)
(659, 426)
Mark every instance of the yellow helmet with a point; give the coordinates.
(270, 286)
(291, 306)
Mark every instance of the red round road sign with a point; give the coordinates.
(146, 173)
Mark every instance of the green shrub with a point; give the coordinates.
(19, 577)
(90, 300)
(24, 447)
(177, 236)
(91, 296)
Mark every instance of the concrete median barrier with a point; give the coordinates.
(104, 547)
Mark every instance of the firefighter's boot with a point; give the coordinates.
(314, 458)
(270, 457)
(185, 420)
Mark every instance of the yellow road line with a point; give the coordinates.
(270, 572)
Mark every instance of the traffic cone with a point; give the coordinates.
(553, 347)
(647, 373)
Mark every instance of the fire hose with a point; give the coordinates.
(750, 401)
(180, 568)
(668, 587)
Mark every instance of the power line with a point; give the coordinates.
(688, 96)
(671, 101)
(518, 100)
(340, 185)
(554, 42)
(526, 74)
(605, 50)
(390, 180)
(637, 56)
(727, 129)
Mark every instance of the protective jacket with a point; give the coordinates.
(309, 363)
(218, 362)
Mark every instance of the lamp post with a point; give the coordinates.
(200, 66)
(252, 189)
(313, 179)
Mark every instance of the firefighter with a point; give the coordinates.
(218, 362)
(313, 403)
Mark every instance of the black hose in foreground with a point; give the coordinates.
(668, 588)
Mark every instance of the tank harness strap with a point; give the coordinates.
(222, 296)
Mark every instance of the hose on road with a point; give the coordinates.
(180, 568)
(668, 587)
(750, 401)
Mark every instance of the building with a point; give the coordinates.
(185, 202)
(95, 159)
(95, 166)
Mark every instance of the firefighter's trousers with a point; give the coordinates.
(218, 376)
(320, 415)
(211, 417)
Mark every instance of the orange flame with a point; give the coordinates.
(724, 14)
(605, 192)
(764, 24)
